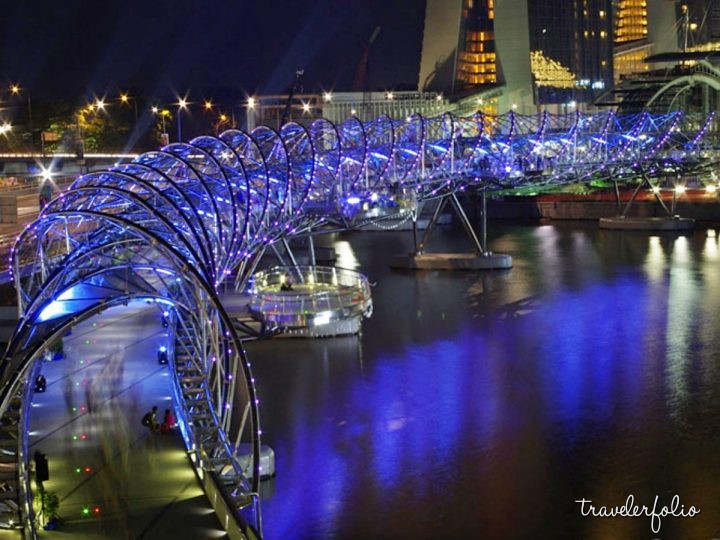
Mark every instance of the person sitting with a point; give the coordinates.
(169, 422)
(286, 284)
(150, 420)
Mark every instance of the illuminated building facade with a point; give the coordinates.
(631, 20)
(537, 52)
(476, 62)
(643, 28)
(574, 38)
(478, 47)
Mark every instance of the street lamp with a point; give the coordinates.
(182, 105)
(100, 104)
(15, 90)
(125, 100)
(162, 113)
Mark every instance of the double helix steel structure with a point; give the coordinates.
(174, 224)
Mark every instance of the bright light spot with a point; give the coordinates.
(15, 89)
(390, 95)
(154, 110)
(514, 105)
(306, 107)
(124, 98)
(322, 318)
(353, 112)
(46, 174)
(345, 256)
(251, 103)
(327, 96)
(353, 200)
(711, 188)
(680, 189)
(438, 97)
(182, 103)
(656, 189)
(100, 104)
(208, 105)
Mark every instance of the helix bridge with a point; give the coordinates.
(176, 225)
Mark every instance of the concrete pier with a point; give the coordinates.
(452, 261)
(647, 223)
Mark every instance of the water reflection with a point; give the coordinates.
(486, 404)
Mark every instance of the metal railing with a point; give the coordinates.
(318, 295)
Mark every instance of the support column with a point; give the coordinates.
(479, 259)
(670, 222)
(311, 247)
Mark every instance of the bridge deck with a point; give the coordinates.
(141, 484)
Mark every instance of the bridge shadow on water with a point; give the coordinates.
(484, 405)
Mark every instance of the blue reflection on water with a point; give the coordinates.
(461, 412)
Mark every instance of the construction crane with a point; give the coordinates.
(363, 67)
(296, 87)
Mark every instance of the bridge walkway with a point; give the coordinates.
(115, 479)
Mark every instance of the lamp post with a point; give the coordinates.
(182, 105)
(164, 113)
(125, 100)
(15, 90)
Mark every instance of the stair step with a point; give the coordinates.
(10, 494)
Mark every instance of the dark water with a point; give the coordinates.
(482, 405)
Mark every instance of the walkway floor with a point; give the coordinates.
(114, 479)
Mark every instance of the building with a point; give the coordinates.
(643, 28)
(478, 46)
(521, 54)
(274, 110)
(576, 35)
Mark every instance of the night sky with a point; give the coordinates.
(72, 48)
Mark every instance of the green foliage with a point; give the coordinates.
(46, 507)
(51, 505)
(575, 189)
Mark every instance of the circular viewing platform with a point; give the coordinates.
(311, 300)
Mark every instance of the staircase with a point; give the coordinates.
(203, 434)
